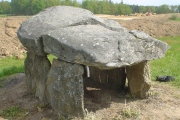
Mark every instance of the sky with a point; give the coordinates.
(145, 2)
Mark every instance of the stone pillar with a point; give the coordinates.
(36, 70)
(114, 78)
(65, 90)
(139, 79)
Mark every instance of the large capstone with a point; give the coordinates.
(36, 70)
(65, 90)
(58, 17)
(95, 45)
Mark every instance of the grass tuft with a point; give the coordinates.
(129, 112)
(12, 112)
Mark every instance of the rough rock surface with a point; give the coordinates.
(94, 45)
(65, 90)
(114, 78)
(139, 79)
(58, 17)
(36, 70)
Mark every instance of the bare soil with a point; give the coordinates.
(154, 25)
(100, 103)
(9, 43)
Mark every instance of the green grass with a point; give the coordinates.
(10, 65)
(12, 112)
(170, 64)
(3, 15)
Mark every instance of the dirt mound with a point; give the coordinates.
(156, 25)
(100, 103)
(9, 43)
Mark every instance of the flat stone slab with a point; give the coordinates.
(58, 17)
(95, 45)
(75, 35)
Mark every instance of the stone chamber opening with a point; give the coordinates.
(101, 87)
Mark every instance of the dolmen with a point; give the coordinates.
(83, 42)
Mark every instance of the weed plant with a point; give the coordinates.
(174, 17)
(12, 112)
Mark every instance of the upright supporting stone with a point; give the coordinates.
(36, 70)
(139, 79)
(65, 90)
(114, 78)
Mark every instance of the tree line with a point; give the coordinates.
(31, 7)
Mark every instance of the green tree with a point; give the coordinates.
(163, 9)
(88, 4)
(5, 7)
(105, 7)
(174, 8)
(50, 3)
(143, 9)
(178, 8)
(135, 8)
(75, 3)
(153, 9)
(36, 6)
(1, 10)
(68, 3)
(124, 9)
(113, 8)
(20, 7)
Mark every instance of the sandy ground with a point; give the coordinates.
(9, 43)
(100, 103)
(155, 25)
